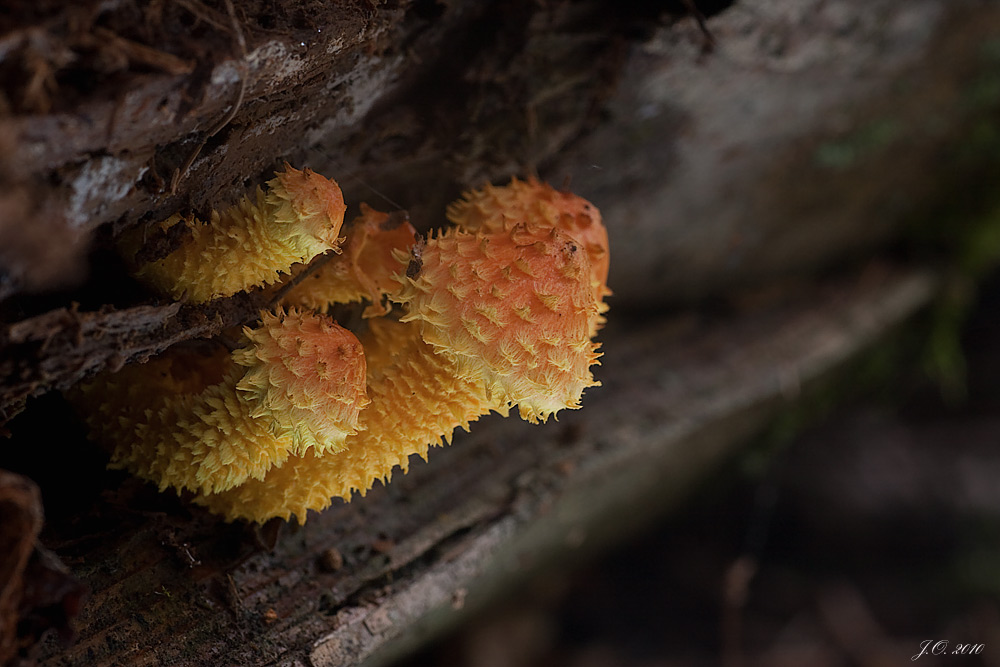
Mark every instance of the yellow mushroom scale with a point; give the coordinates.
(250, 244)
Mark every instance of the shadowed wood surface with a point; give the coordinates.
(365, 581)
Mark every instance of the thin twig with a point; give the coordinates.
(310, 269)
(360, 180)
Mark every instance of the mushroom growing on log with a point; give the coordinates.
(499, 313)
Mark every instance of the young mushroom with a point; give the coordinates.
(250, 244)
(498, 311)
(299, 384)
(417, 399)
(512, 307)
(366, 268)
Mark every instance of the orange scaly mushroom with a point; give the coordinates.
(494, 319)
(252, 243)
(215, 430)
(513, 307)
(417, 398)
(365, 269)
(306, 375)
(499, 311)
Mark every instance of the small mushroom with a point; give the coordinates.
(417, 399)
(513, 308)
(306, 374)
(252, 243)
(364, 270)
(211, 430)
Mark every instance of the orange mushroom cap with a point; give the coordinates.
(496, 208)
(364, 270)
(310, 204)
(306, 376)
(513, 308)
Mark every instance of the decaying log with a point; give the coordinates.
(364, 581)
(807, 135)
(803, 136)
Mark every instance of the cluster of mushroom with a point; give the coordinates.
(498, 310)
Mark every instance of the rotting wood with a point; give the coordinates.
(679, 393)
(712, 169)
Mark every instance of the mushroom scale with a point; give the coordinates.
(494, 208)
(250, 244)
(418, 398)
(513, 309)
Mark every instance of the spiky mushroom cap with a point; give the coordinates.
(310, 202)
(178, 421)
(250, 244)
(495, 208)
(418, 398)
(305, 375)
(513, 308)
(366, 267)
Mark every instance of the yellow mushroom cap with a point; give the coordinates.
(249, 244)
(496, 208)
(305, 376)
(417, 398)
(310, 202)
(513, 308)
